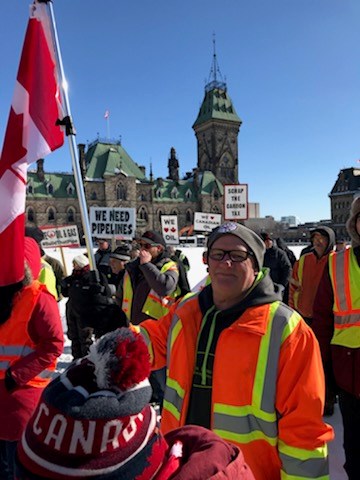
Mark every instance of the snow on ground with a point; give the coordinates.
(196, 274)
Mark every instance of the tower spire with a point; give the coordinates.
(216, 79)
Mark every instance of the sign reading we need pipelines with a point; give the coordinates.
(108, 222)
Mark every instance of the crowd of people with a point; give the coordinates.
(232, 381)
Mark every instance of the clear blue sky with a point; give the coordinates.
(292, 70)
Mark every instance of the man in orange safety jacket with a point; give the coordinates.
(243, 364)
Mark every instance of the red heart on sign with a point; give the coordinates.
(173, 229)
(166, 229)
(212, 218)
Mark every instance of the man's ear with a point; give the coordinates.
(205, 257)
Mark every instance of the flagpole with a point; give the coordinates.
(70, 133)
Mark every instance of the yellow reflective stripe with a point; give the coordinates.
(147, 340)
(285, 476)
(173, 397)
(258, 387)
(292, 323)
(300, 277)
(244, 424)
(299, 463)
(175, 332)
(346, 337)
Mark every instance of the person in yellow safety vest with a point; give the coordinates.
(47, 278)
(244, 364)
(31, 338)
(149, 288)
(336, 323)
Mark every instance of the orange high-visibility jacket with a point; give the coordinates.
(15, 339)
(268, 386)
(304, 282)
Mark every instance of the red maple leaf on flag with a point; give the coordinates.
(31, 134)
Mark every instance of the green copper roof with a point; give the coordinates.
(55, 185)
(164, 190)
(217, 105)
(209, 182)
(103, 159)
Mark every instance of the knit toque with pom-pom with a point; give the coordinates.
(94, 420)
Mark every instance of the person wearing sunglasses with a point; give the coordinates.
(149, 288)
(242, 363)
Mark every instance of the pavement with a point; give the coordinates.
(336, 452)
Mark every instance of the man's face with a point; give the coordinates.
(229, 278)
(320, 243)
(153, 250)
(117, 265)
(103, 244)
(268, 243)
(357, 224)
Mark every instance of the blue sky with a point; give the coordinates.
(292, 70)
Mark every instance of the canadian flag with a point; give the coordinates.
(31, 134)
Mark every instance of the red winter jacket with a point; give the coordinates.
(18, 405)
(207, 457)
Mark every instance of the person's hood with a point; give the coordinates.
(207, 456)
(329, 232)
(32, 256)
(351, 223)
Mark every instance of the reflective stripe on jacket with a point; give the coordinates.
(47, 277)
(15, 339)
(344, 274)
(244, 391)
(154, 306)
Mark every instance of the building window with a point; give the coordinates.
(30, 189)
(71, 215)
(188, 216)
(50, 188)
(174, 212)
(160, 213)
(142, 214)
(158, 193)
(188, 194)
(51, 215)
(120, 192)
(174, 193)
(93, 195)
(30, 215)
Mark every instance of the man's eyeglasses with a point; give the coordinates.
(235, 256)
(146, 246)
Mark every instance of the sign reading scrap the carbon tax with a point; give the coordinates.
(236, 202)
(106, 222)
(64, 236)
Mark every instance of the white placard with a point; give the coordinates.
(108, 222)
(206, 222)
(236, 202)
(170, 231)
(64, 236)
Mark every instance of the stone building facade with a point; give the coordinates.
(112, 178)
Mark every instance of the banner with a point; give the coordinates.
(206, 222)
(64, 236)
(236, 202)
(119, 223)
(170, 231)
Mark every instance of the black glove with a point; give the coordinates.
(10, 383)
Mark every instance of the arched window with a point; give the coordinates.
(160, 212)
(51, 215)
(142, 213)
(50, 189)
(174, 212)
(93, 195)
(30, 215)
(30, 189)
(188, 216)
(120, 192)
(71, 215)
